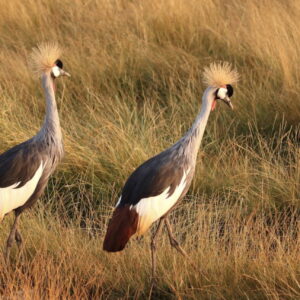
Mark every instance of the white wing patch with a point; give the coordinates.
(152, 208)
(12, 197)
(119, 201)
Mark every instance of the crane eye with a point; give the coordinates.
(229, 90)
(59, 63)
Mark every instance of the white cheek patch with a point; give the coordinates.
(55, 71)
(222, 93)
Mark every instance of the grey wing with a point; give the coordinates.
(19, 164)
(152, 178)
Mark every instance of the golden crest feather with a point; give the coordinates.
(218, 74)
(43, 57)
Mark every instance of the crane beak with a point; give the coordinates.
(228, 102)
(64, 73)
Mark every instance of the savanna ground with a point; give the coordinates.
(135, 89)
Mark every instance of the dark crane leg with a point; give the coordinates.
(14, 235)
(176, 245)
(18, 238)
(173, 241)
(153, 248)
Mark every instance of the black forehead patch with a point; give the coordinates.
(59, 63)
(229, 90)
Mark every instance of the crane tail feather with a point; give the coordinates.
(121, 227)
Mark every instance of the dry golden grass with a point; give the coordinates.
(135, 88)
(236, 257)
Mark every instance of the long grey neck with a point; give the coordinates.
(192, 140)
(51, 127)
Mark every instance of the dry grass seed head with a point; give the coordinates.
(218, 74)
(43, 57)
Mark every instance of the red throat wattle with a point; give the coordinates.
(213, 106)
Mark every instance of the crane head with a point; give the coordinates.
(224, 93)
(219, 77)
(44, 59)
(57, 70)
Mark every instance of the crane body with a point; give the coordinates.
(26, 168)
(155, 187)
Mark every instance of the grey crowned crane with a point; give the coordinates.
(25, 168)
(154, 188)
